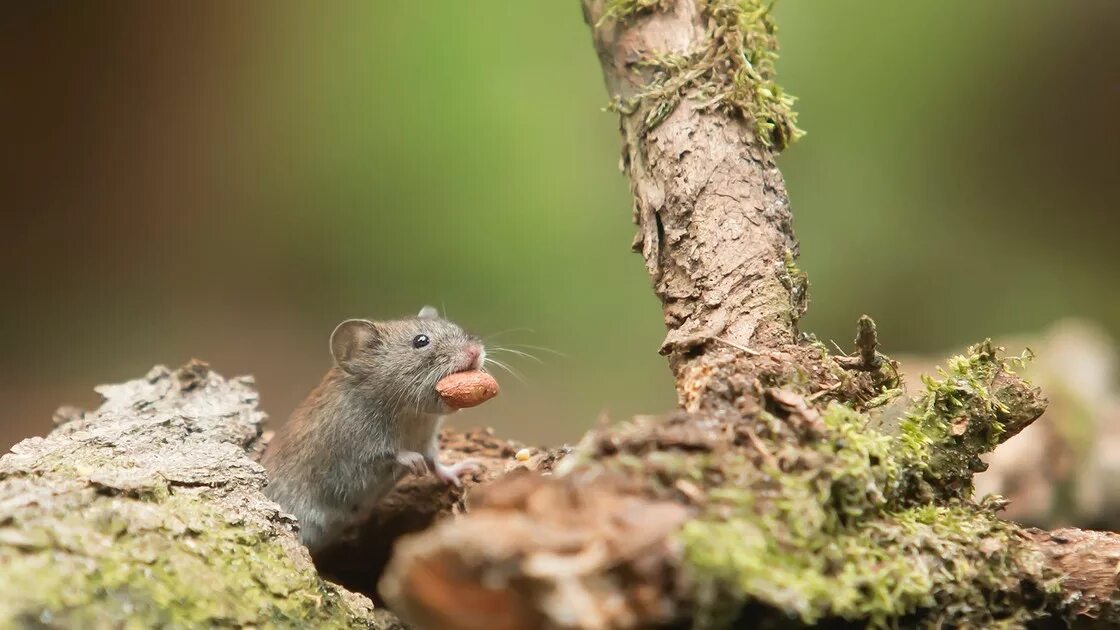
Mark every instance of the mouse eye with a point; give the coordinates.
(419, 341)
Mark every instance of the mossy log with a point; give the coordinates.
(792, 487)
(147, 512)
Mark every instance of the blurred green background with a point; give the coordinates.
(229, 180)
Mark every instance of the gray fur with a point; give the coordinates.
(375, 416)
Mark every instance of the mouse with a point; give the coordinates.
(374, 418)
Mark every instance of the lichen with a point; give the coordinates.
(733, 69)
(148, 513)
(128, 563)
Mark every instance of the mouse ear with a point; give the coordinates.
(348, 338)
(428, 312)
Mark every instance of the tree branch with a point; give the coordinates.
(1090, 564)
(714, 222)
(794, 484)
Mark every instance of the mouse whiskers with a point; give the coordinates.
(505, 367)
(539, 348)
(517, 352)
(429, 382)
(506, 332)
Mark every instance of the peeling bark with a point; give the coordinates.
(538, 553)
(714, 220)
(1090, 562)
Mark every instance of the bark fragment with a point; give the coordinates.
(538, 552)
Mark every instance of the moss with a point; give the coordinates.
(883, 398)
(829, 518)
(866, 474)
(126, 563)
(624, 9)
(836, 539)
(733, 70)
(750, 45)
(808, 511)
(796, 282)
(963, 413)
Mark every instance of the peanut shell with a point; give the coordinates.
(467, 389)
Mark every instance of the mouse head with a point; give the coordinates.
(400, 361)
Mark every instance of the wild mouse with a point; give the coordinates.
(374, 417)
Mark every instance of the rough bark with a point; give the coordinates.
(147, 512)
(794, 486)
(1090, 562)
(358, 559)
(714, 221)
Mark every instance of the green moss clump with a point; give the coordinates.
(886, 396)
(734, 70)
(750, 44)
(817, 515)
(964, 413)
(865, 475)
(623, 9)
(796, 281)
(944, 565)
(833, 535)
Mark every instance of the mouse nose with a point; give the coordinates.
(474, 354)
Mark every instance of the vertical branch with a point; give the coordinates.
(700, 127)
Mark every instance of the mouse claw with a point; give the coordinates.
(414, 462)
(451, 474)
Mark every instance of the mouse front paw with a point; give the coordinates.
(451, 474)
(414, 462)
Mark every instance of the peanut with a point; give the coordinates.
(467, 389)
